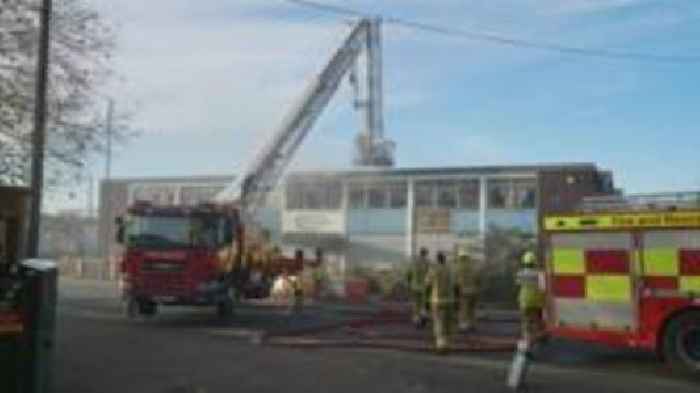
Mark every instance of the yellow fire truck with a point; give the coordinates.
(627, 273)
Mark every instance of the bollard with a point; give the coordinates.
(520, 365)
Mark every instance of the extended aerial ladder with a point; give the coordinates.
(373, 150)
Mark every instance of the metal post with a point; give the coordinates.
(91, 195)
(108, 131)
(107, 210)
(483, 205)
(411, 232)
(39, 133)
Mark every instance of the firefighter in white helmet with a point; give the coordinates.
(530, 296)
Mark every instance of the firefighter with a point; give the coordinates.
(467, 290)
(417, 285)
(442, 290)
(297, 284)
(317, 274)
(530, 296)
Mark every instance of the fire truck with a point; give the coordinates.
(197, 255)
(626, 272)
(178, 256)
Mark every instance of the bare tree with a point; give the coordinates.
(80, 66)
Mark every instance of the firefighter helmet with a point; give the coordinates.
(528, 258)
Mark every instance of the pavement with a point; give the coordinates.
(185, 350)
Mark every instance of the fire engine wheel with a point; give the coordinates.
(681, 343)
(148, 309)
(224, 309)
(131, 308)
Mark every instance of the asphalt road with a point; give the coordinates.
(189, 351)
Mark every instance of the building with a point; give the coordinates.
(381, 217)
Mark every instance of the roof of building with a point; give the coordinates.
(480, 170)
(174, 179)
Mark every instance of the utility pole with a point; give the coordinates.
(107, 210)
(108, 130)
(39, 133)
(90, 195)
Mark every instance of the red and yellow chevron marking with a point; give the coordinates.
(672, 269)
(596, 275)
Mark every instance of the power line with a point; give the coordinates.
(505, 40)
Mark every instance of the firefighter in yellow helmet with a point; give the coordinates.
(297, 285)
(530, 296)
(317, 274)
(442, 289)
(467, 289)
(417, 285)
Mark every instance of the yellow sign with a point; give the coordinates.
(622, 221)
(432, 220)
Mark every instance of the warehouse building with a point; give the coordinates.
(380, 217)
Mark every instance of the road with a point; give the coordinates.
(189, 351)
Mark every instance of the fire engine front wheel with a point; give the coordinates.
(224, 309)
(135, 308)
(681, 343)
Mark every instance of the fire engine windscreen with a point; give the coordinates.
(176, 232)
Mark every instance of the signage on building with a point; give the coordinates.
(322, 222)
(157, 193)
(432, 220)
(174, 193)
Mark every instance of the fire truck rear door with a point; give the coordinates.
(592, 280)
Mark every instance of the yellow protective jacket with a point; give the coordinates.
(530, 294)
(442, 285)
(417, 274)
(467, 276)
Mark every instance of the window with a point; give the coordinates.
(178, 231)
(357, 196)
(334, 195)
(398, 194)
(194, 195)
(499, 194)
(468, 192)
(313, 196)
(512, 194)
(524, 192)
(294, 196)
(377, 196)
(424, 194)
(447, 194)
(316, 195)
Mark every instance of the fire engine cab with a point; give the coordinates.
(627, 273)
(179, 256)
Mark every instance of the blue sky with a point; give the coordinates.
(210, 80)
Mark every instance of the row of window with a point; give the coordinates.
(512, 194)
(452, 194)
(317, 195)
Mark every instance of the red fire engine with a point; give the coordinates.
(627, 275)
(177, 255)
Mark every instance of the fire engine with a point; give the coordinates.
(178, 255)
(626, 272)
(194, 255)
